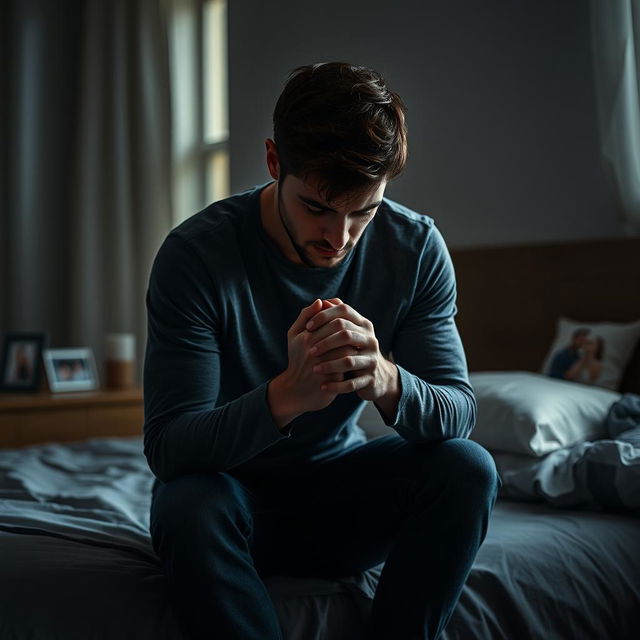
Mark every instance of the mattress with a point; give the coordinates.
(77, 562)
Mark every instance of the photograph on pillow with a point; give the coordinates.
(591, 353)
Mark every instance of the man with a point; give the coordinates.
(564, 360)
(273, 315)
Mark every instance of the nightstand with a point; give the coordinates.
(58, 417)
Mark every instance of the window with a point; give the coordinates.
(199, 100)
(215, 115)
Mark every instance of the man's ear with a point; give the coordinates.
(273, 162)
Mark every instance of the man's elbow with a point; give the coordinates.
(158, 461)
(454, 417)
(468, 413)
(157, 464)
(472, 411)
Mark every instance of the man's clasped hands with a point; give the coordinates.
(329, 339)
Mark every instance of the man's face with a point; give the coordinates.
(579, 341)
(323, 233)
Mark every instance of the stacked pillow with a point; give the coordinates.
(565, 443)
(532, 415)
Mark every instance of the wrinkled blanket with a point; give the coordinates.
(77, 563)
(603, 475)
(98, 492)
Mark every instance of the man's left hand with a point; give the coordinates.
(339, 330)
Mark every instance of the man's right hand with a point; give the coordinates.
(297, 389)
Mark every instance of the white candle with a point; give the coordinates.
(120, 347)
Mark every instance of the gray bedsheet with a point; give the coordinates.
(76, 562)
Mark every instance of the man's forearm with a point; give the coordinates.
(387, 404)
(279, 401)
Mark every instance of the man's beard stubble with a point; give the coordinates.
(299, 250)
(302, 254)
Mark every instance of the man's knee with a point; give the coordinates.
(462, 468)
(198, 504)
(471, 468)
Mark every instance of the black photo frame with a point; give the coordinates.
(21, 362)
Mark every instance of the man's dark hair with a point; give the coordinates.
(581, 332)
(340, 124)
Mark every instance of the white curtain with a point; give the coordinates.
(615, 26)
(88, 151)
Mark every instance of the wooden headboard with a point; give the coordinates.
(509, 298)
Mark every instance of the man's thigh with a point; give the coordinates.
(353, 507)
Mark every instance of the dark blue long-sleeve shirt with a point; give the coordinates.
(220, 301)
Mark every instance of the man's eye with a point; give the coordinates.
(319, 212)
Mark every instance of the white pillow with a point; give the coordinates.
(618, 341)
(531, 414)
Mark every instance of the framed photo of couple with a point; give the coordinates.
(70, 369)
(24, 354)
(20, 363)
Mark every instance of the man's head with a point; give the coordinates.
(339, 137)
(340, 124)
(579, 337)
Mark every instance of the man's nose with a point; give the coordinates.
(338, 234)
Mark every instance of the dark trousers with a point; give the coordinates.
(422, 509)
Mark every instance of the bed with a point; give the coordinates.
(77, 561)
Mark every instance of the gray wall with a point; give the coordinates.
(502, 122)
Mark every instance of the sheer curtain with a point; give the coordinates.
(88, 157)
(615, 26)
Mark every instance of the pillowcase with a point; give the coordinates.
(531, 414)
(594, 353)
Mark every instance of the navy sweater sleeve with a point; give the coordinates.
(437, 401)
(185, 430)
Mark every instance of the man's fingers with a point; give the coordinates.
(338, 310)
(340, 365)
(348, 386)
(330, 302)
(339, 334)
(305, 315)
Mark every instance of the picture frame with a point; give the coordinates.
(20, 362)
(70, 369)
